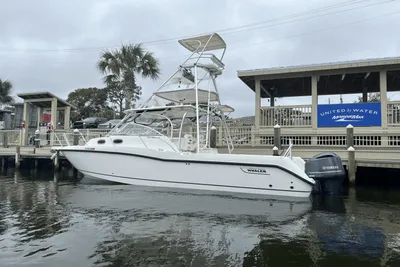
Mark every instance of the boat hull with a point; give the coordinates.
(142, 170)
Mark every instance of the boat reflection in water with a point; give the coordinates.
(52, 222)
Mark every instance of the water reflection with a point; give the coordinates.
(48, 220)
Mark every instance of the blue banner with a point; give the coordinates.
(358, 114)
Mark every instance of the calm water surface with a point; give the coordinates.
(50, 220)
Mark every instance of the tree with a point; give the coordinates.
(106, 112)
(120, 68)
(116, 95)
(372, 97)
(88, 101)
(5, 93)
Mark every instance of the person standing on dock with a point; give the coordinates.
(50, 128)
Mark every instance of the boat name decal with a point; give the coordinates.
(89, 148)
(262, 171)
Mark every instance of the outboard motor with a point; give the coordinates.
(328, 172)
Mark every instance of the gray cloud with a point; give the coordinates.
(53, 26)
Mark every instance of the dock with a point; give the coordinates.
(27, 152)
(345, 142)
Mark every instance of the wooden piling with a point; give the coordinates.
(57, 162)
(351, 165)
(5, 139)
(76, 137)
(275, 151)
(37, 139)
(75, 172)
(350, 136)
(18, 157)
(277, 136)
(213, 137)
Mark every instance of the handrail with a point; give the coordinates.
(66, 139)
(180, 131)
(57, 138)
(83, 137)
(288, 152)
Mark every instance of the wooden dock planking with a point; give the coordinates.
(27, 152)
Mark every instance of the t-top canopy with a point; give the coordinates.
(207, 42)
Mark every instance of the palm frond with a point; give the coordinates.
(149, 66)
(109, 62)
(110, 79)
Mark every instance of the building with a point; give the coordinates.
(5, 119)
(351, 77)
(41, 107)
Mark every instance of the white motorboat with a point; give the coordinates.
(169, 141)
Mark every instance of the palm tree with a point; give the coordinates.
(122, 65)
(5, 93)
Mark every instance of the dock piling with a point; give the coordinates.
(350, 136)
(76, 137)
(37, 139)
(57, 162)
(213, 137)
(5, 139)
(277, 136)
(275, 151)
(351, 165)
(17, 157)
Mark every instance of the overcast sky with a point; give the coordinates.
(53, 45)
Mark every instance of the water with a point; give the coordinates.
(48, 220)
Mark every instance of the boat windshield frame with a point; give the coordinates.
(132, 125)
(133, 116)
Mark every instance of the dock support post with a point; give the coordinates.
(277, 136)
(57, 162)
(213, 137)
(36, 164)
(3, 163)
(75, 172)
(37, 139)
(351, 165)
(17, 157)
(350, 136)
(275, 151)
(76, 137)
(5, 139)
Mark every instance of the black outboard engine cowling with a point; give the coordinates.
(328, 172)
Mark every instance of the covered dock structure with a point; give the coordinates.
(339, 78)
(35, 104)
(371, 127)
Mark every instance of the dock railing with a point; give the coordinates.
(299, 116)
(245, 135)
(293, 116)
(249, 136)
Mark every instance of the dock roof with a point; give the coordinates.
(344, 77)
(43, 99)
